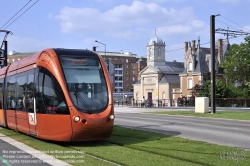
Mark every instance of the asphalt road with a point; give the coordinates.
(234, 133)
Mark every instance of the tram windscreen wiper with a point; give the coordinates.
(83, 102)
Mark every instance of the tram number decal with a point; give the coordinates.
(32, 119)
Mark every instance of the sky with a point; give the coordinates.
(122, 25)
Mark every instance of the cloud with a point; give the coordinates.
(247, 29)
(195, 27)
(123, 21)
(24, 44)
(89, 40)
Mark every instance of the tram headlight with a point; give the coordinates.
(77, 119)
(112, 117)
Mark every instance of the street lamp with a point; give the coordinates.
(126, 97)
(104, 47)
(106, 62)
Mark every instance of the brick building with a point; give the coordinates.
(197, 64)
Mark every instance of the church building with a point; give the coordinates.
(160, 77)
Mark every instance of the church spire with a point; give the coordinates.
(156, 51)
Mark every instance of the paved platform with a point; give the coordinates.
(14, 153)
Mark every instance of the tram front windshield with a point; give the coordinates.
(86, 83)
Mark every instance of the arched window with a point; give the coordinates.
(137, 95)
(163, 95)
(150, 53)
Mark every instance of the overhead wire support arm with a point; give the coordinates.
(5, 37)
(227, 32)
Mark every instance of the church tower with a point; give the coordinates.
(156, 52)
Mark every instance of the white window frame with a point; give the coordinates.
(189, 86)
(190, 66)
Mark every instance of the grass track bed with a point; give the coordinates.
(140, 148)
(236, 115)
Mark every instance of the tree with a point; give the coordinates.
(205, 89)
(222, 90)
(237, 63)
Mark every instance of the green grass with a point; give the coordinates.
(141, 148)
(239, 115)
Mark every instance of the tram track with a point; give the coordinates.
(145, 149)
(155, 153)
(95, 156)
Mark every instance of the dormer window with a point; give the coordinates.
(190, 66)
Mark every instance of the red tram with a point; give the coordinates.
(58, 94)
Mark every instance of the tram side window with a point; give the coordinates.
(11, 91)
(39, 97)
(1, 93)
(30, 91)
(52, 94)
(21, 91)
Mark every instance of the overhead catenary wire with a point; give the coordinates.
(182, 48)
(16, 14)
(21, 14)
(223, 39)
(235, 22)
(226, 24)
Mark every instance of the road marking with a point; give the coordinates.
(4, 161)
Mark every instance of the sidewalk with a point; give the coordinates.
(14, 153)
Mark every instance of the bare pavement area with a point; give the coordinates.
(14, 153)
(234, 133)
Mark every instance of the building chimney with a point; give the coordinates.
(193, 46)
(220, 46)
(220, 50)
(186, 46)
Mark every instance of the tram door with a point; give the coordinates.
(1, 105)
(30, 102)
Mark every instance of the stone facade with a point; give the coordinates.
(160, 77)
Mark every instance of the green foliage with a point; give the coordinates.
(237, 64)
(239, 115)
(222, 90)
(205, 89)
(240, 92)
(237, 69)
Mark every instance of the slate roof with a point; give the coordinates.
(170, 78)
(171, 70)
(202, 64)
(170, 67)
